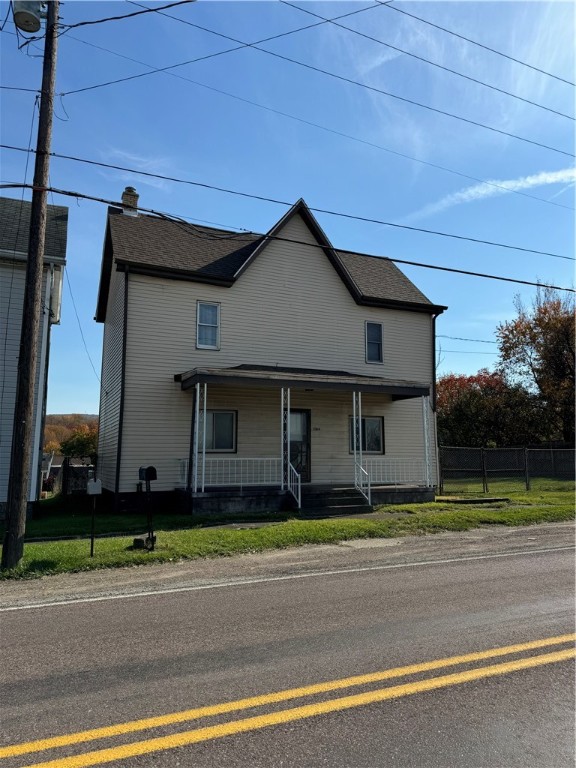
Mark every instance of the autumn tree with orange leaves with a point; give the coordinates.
(486, 411)
(537, 350)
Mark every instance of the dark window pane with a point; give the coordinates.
(374, 352)
(208, 314)
(207, 336)
(223, 431)
(374, 332)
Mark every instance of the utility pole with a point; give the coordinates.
(22, 435)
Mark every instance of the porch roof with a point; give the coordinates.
(302, 378)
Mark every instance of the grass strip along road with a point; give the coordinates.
(115, 753)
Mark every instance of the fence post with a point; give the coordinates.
(484, 472)
(526, 469)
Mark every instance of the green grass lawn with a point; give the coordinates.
(42, 558)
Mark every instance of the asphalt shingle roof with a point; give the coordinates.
(15, 227)
(152, 243)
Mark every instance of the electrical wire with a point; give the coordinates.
(348, 80)
(66, 27)
(331, 130)
(428, 61)
(313, 68)
(155, 70)
(467, 352)
(316, 210)
(475, 42)
(459, 338)
(340, 214)
(80, 325)
(276, 238)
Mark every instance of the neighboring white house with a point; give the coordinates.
(237, 361)
(14, 232)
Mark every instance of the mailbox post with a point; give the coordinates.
(94, 488)
(146, 475)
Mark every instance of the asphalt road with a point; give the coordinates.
(464, 643)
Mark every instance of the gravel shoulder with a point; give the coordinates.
(360, 553)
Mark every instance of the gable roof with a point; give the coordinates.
(166, 248)
(15, 228)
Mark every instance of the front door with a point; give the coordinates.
(300, 443)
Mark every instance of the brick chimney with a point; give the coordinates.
(130, 201)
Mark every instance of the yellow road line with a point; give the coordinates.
(186, 738)
(271, 698)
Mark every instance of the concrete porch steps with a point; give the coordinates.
(320, 501)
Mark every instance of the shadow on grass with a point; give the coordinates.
(41, 566)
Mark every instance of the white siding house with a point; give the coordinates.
(236, 361)
(14, 230)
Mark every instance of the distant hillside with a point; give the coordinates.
(59, 426)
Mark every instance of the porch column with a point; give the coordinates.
(357, 429)
(426, 431)
(199, 452)
(285, 435)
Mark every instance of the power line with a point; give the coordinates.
(242, 45)
(475, 42)
(80, 325)
(270, 238)
(262, 198)
(311, 67)
(459, 338)
(66, 27)
(464, 352)
(331, 130)
(428, 61)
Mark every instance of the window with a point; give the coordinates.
(221, 431)
(374, 342)
(208, 326)
(372, 434)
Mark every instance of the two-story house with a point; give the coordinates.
(246, 367)
(14, 234)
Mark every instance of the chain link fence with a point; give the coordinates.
(501, 470)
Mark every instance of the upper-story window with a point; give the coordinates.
(208, 325)
(374, 343)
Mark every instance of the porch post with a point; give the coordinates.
(195, 439)
(426, 431)
(357, 426)
(205, 399)
(285, 435)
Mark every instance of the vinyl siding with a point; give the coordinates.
(290, 308)
(110, 391)
(12, 280)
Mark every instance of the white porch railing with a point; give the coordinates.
(237, 472)
(295, 484)
(388, 471)
(362, 482)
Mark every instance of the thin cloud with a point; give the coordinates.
(485, 191)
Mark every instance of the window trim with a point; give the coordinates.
(234, 449)
(199, 304)
(368, 360)
(363, 435)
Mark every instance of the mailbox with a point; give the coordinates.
(94, 487)
(146, 474)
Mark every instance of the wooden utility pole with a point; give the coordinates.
(22, 435)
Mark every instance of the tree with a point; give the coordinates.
(82, 443)
(537, 350)
(484, 410)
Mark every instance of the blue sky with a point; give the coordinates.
(219, 122)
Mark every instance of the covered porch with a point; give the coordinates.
(263, 434)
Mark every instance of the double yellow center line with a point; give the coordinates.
(112, 754)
